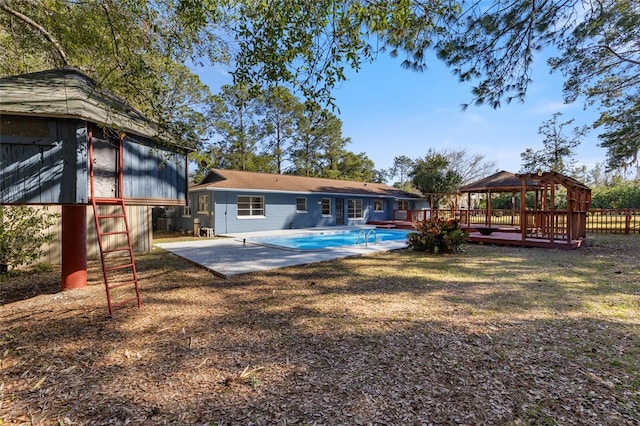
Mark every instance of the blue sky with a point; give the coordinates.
(388, 111)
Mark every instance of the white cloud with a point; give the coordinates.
(549, 107)
(474, 118)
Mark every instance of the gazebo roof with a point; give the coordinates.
(555, 177)
(501, 181)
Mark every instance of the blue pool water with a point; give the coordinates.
(331, 239)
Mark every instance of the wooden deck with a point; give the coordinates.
(499, 235)
(512, 238)
(392, 224)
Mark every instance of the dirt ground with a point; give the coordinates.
(491, 336)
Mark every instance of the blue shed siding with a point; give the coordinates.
(39, 169)
(153, 172)
(45, 161)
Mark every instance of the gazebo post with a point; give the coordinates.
(468, 209)
(552, 207)
(488, 217)
(570, 196)
(523, 209)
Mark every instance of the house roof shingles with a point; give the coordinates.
(241, 180)
(501, 181)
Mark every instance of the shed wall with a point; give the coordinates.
(153, 174)
(44, 161)
(139, 223)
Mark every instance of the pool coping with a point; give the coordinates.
(234, 254)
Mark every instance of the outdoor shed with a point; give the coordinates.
(46, 119)
(66, 141)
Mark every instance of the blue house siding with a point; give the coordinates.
(275, 202)
(280, 211)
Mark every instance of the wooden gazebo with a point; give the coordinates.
(543, 224)
(545, 220)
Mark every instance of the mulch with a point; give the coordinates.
(329, 343)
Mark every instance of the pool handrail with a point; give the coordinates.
(365, 235)
(375, 237)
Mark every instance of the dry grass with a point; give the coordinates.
(493, 336)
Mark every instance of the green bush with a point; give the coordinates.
(437, 236)
(23, 231)
(621, 196)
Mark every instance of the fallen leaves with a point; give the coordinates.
(388, 339)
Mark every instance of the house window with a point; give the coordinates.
(186, 210)
(403, 205)
(203, 204)
(301, 205)
(326, 206)
(378, 205)
(250, 206)
(354, 209)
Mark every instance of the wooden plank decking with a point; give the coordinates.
(393, 224)
(515, 239)
(499, 234)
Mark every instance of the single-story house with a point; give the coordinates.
(231, 201)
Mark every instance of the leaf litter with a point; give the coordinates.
(394, 338)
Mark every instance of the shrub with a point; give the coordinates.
(437, 236)
(23, 231)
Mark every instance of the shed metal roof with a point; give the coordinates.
(241, 180)
(68, 93)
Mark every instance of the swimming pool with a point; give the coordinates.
(320, 240)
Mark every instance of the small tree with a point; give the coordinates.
(402, 166)
(23, 231)
(559, 148)
(433, 174)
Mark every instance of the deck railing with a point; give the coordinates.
(617, 221)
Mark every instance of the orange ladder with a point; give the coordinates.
(114, 240)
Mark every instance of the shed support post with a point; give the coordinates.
(74, 246)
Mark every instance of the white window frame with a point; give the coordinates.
(403, 202)
(325, 203)
(381, 202)
(355, 208)
(304, 201)
(204, 204)
(251, 202)
(186, 209)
